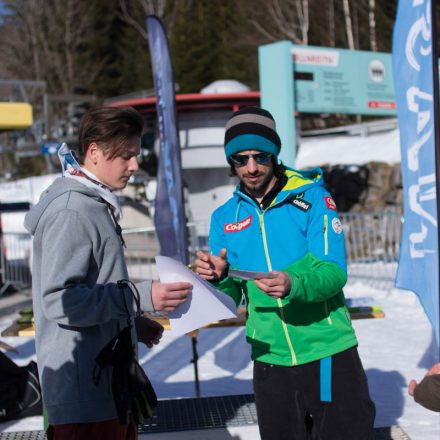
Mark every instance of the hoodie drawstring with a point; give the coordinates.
(117, 225)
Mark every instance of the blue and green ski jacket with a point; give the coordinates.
(299, 233)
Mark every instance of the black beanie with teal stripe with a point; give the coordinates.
(251, 128)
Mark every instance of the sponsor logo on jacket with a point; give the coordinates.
(301, 204)
(330, 203)
(337, 225)
(238, 226)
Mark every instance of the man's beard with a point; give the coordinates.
(258, 186)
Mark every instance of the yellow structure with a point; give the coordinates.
(15, 115)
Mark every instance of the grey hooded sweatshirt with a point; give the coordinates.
(77, 260)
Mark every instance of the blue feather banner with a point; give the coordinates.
(169, 216)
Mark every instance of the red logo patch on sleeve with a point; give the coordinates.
(238, 226)
(330, 203)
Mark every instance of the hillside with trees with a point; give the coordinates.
(83, 51)
(100, 48)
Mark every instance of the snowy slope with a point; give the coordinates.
(339, 150)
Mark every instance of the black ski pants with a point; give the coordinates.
(289, 406)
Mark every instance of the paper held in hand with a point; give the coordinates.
(249, 274)
(206, 304)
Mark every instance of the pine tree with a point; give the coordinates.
(205, 45)
(122, 52)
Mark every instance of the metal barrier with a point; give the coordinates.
(142, 246)
(372, 244)
(15, 261)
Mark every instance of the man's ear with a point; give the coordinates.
(93, 153)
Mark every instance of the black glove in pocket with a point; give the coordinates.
(132, 391)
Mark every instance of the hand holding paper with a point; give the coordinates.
(205, 303)
(168, 296)
(211, 267)
(277, 285)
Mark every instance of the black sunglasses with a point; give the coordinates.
(241, 160)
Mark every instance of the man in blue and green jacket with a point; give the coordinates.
(309, 382)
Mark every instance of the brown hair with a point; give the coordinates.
(109, 127)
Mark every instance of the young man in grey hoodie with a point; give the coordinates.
(78, 260)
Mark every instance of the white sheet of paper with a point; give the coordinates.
(206, 304)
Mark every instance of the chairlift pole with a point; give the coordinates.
(435, 83)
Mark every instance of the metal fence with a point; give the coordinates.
(15, 261)
(372, 244)
(142, 247)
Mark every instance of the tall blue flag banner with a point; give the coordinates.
(413, 82)
(169, 212)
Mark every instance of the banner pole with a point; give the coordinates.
(435, 83)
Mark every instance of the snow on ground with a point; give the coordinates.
(342, 150)
(393, 350)
(23, 190)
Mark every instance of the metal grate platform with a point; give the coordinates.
(202, 413)
(25, 435)
(390, 433)
(177, 415)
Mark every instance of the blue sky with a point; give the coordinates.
(2, 7)
(3, 10)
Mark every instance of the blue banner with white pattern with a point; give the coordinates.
(169, 215)
(413, 83)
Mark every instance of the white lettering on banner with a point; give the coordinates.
(423, 117)
(415, 195)
(413, 151)
(418, 238)
(421, 26)
(421, 192)
(416, 198)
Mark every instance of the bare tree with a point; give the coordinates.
(372, 24)
(45, 40)
(280, 19)
(303, 15)
(331, 23)
(164, 9)
(348, 25)
(355, 23)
